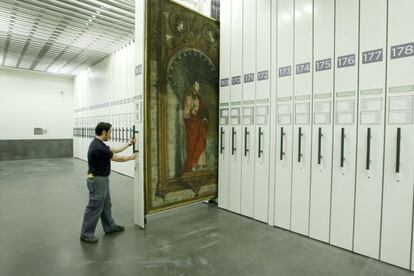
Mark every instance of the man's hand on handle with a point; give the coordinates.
(132, 141)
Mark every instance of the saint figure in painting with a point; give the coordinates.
(195, 115)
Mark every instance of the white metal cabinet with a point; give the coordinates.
(248, 111)
(321, 175)
(225, 61)
(397, 211)
(345, 129)
(262, 156)
(262, 139)
(284, 155)
(302, 134)
(372, 69)
(235, 135)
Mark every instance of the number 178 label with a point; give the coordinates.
(402, 50)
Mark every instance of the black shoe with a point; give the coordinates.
(117, 229)
(89, 240)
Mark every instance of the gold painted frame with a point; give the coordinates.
(161, 125)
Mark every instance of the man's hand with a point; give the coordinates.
(132, 141)
(119, 149)
(205, 120)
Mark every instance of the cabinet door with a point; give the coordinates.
(321, 176)
(248, 159)
(224, 161)
(372, 68)
(345, 129)
(284, 155)
(302, 134)
(262, 158)
(397, 211)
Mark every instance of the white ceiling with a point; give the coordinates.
(63, 36)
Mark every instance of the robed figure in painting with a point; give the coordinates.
(195, 115)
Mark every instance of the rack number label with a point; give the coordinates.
(372, 56)
(323, 64)
(236, 80)
(346, 61)
(224, 82)
(302, 68)
(248, 77)
(263, 75)
(402, 50)
(285, 71)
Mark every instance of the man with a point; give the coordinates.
(195, 115)
(99, 162)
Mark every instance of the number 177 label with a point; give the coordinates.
(372, 56)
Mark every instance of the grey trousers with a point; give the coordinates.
(99, 206)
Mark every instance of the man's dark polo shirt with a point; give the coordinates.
(99, 158)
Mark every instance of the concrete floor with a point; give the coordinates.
(41, 206)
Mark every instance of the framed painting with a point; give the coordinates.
(181, 105)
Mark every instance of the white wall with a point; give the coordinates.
(32, 99)
(105, 93)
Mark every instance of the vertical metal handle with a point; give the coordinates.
(319, 145)
(368, 161)
(123, 134)
(260, 142)
(134, 150)
(221, 139)
(233, 149)
(300, 134)
(246, 133)
(397, 163)
(342, 146)
(282, 134)
(127, 133)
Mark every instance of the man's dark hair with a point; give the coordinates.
(101, 127)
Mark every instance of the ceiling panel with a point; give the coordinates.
(63, 36)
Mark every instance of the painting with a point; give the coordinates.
(181, 105)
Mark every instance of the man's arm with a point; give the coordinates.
(123, 147)
(118, 158)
